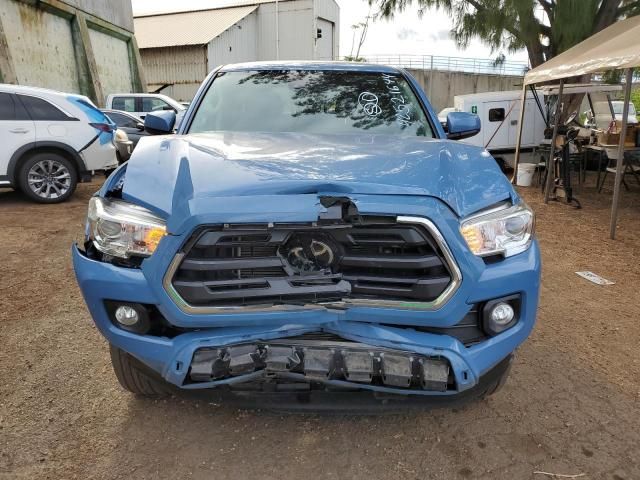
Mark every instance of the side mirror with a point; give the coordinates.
(159, 123)
(462, 125)
(140, 126)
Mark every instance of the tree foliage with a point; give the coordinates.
(544, 27)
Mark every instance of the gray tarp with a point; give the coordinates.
(617, 46)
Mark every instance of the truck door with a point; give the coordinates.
(497, 131)
(324, 40)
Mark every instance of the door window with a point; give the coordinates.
(126, 104)
(150, 104)
(41, 110)
(123, 121)
(496, 114)
(7, 107)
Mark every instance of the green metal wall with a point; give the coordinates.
(54, 44)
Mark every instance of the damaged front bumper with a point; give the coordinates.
(329, 362)
(362, 348)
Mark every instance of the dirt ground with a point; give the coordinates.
(571, 405)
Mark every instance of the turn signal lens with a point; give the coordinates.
(153, 237)
(473, 236)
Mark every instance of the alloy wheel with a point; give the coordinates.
(49, 179)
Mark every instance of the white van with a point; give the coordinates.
(499, 114)
(139, 104)
(618, 106)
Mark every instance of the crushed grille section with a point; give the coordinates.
(320, 361)
(249, 265)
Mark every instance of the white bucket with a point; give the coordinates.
(525, 174)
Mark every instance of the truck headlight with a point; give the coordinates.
(507, 231)
(122, 229)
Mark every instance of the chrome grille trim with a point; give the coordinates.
(456, 280)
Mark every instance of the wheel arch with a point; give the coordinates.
(21, 154)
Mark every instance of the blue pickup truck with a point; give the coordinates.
(311, 230)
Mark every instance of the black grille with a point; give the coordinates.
(304, 263)
(468, 330)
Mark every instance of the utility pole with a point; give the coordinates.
(277, 33)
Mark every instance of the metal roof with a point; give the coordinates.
(187, 28)
(211, 5)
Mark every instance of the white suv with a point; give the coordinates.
(50, 141)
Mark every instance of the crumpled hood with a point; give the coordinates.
(165, 171)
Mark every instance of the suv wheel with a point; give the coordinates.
(48, 178)
(136, 377)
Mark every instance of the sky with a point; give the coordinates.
(405, 34)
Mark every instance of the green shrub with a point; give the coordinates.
(635, 98)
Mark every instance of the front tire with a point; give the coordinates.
(498, 383)
(136, 377)
(48, 178)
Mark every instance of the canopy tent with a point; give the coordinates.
(615, 47)
(612, 48)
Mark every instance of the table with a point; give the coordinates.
(599, 150)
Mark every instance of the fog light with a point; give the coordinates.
(502, 314)
(127, 316)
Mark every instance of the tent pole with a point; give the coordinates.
(620, 161)
(539, 104)
(523, 102)
(552, 150)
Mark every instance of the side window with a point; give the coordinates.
(122, 120)
(154, 104)
(11, 108)
(40, 109)
(7, 108)
(496, 114)
(126, 104)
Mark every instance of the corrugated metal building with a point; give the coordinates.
(80, 46)
(179, 49)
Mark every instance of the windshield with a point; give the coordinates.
(618, 106)
(317, 102)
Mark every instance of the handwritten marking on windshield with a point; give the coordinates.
(369, 103)
(403, 109)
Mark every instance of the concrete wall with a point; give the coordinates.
(112, 60)
(442, 86)
(35, 38)
(66, 46)
(117, 12)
